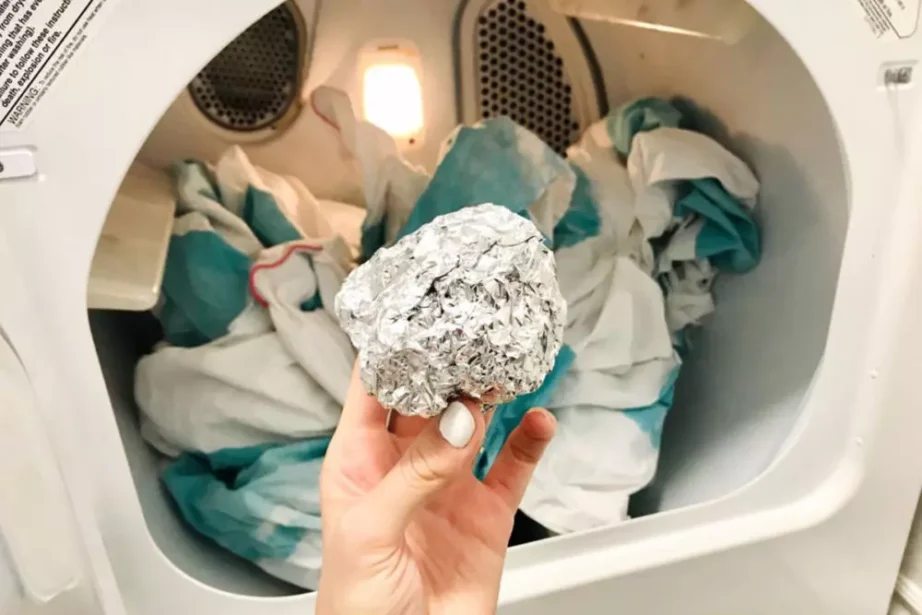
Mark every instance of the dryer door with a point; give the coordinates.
(44, 569)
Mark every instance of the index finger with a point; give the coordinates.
(361, 410)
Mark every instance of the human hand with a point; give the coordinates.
(407, 528)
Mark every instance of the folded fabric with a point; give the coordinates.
(597, 460)
(226, 218)
(284, 210)
(252, 354)
(347, 221)
(728, 236)
(683, 175)
(694, 203)
(581, 220)
(497, 161)
(719, 190)
(688, 294)
(623, 347)
(250, 380)
(279, 375)
(678, 212)
(282, 279)
(619, 228)
(391, 185)
(627, 325)
(507, 417)
(621, 380)
(639, 116)
(204, 283)
(261, 503)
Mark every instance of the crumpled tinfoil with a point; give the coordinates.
(468, 305)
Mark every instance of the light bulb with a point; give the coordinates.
(392, 95)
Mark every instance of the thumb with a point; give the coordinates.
(443, 452)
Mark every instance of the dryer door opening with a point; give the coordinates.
(743, 385)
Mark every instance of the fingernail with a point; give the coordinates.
(457, 424)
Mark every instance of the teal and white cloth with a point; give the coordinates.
(390, 184)
(497, 161)
(245, 300)
(675, 208)
(260, 502)
(250, 380)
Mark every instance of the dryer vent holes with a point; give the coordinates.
(522, 76)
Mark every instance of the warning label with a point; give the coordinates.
(891, 19)
(37, 40)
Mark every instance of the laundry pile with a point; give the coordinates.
(250, 379)
(247, 385)
(640, 273)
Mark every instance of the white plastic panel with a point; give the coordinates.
(35, 515)
(49, 558)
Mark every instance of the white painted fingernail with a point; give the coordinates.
(457, 424)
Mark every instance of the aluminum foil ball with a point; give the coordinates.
(468, 305)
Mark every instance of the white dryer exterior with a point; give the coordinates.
(822, 531)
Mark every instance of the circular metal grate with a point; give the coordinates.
(255, 80)
(522, 76)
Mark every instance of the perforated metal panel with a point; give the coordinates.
(255, 80)
(522, 75)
